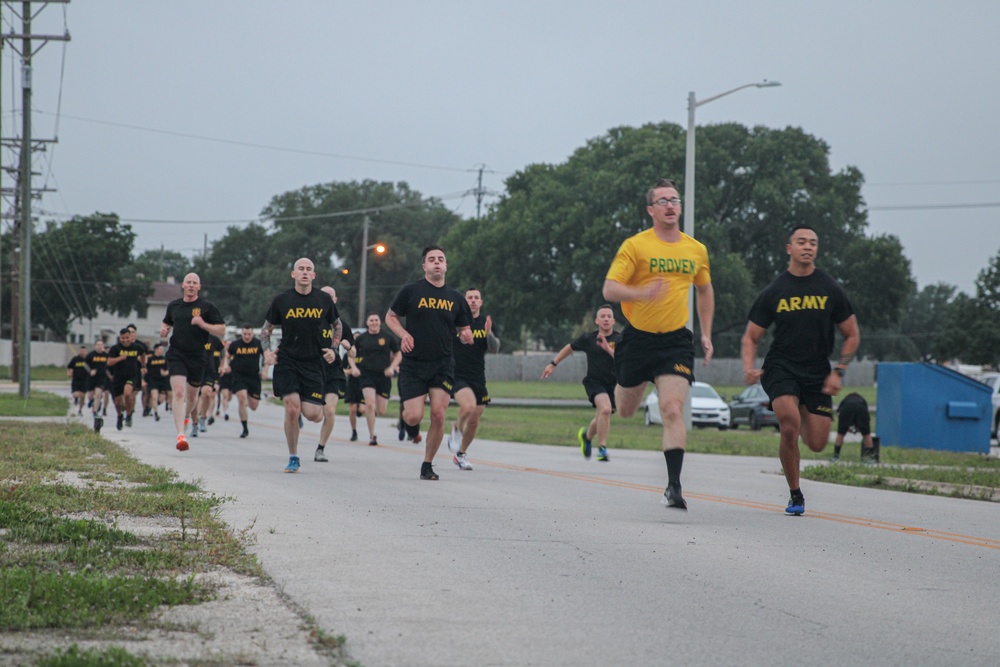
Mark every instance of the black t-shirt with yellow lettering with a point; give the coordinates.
(213, 351)
(129, 367)
(98, 361)
(432, 315)
(187, 337)
(78, 365)
(244, 358)
(804, 310)
(470, 360)
(306, 323)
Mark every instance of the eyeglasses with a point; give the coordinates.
(663, 202)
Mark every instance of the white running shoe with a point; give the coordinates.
(454, 440)
(462, 462)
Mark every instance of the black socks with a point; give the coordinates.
(675, 460)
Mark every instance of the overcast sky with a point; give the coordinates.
(191, 110)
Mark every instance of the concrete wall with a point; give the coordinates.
(723, 372)
(42, 354)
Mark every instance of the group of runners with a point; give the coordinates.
(439, 339)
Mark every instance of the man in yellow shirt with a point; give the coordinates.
(651, 275)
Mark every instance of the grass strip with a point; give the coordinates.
(38, 404)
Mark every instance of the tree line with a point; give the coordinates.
(541, 252)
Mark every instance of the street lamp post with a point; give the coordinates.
(363, 279)
(689, 168)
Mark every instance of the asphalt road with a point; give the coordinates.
(538, 557)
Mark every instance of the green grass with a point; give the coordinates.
(68, 572)
(40, 373)
(38, 404)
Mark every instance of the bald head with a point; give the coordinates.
(332, 292)
(191, 286)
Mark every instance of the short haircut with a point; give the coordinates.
(472, 289)
(158, 346)
(797, 228)
(132, 327)
(124, 331)
(373, 312)
(661, 183)
(247, 326)
(605, 305)
(423, 255)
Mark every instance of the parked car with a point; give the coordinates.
(993, 380)
(707, 407)
(750, 407)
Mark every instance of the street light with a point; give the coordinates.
(689, 169)
(379, 248)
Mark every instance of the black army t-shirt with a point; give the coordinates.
(600, 364)
(432, 315)
(374, 351)
(186, 337)
(306, 323)
(244, 358)
(804, 310)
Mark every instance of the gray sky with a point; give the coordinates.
(202, 111)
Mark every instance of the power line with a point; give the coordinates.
(248, 144)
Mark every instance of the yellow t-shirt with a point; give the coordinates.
(643, 258)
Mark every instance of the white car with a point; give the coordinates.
(707, 407)
(993, 381)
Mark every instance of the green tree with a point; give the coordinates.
(161, 264)
(971, 331)
(325, 223)
(82, 265)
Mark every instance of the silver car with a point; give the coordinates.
(707, 407)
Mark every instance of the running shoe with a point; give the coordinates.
(293, 464)
(402, 430)
(462, 461)
(182, 443)
(602, 454)
(121, 422)
(354, 435)
(585, 443)
(211, 420)
(245, 434)
(98, 423)
(417, 439)
(202, 426)
(156, 416)
(194, 430)
(796, 506)
(672, 497)
(225, 417)
(454, 439)
(319, 456)
(427, 472)
(128, 420)
(373, 442)
(146, 412)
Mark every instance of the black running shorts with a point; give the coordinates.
(378, 380)
(417, 378)
(190, 366)
(854, 414)
(479, 389)
(805, 381)
(299, 377)
(595, 388)
(641, 356)
(352, 394)
(250, 383)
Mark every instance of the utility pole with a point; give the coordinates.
(23, 196)
(479, 191)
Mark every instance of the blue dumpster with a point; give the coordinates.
(932, 407)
